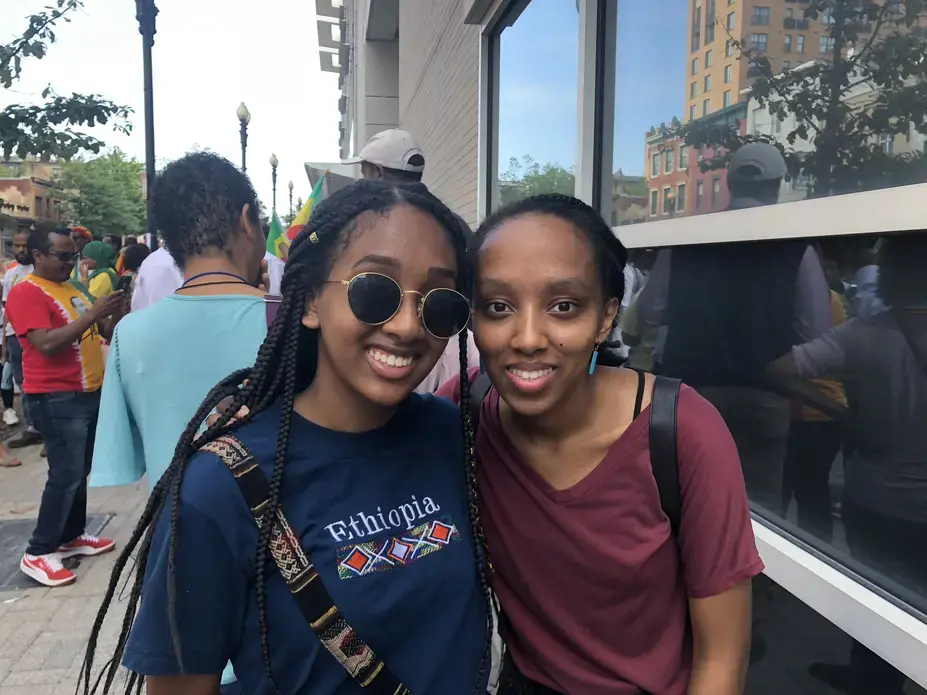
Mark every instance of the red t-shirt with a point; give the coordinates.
(35, 304)
(590, 578)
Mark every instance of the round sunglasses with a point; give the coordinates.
(375, 299)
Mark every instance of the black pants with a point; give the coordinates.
(810, 453)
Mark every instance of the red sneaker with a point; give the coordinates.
(86, 544)
(46, 569)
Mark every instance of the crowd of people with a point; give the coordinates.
(408, 460)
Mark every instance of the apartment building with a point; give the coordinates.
(482, 82)
(27, 195)
(717, 71)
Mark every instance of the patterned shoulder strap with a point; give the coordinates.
(303, 579)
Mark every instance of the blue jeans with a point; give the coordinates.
(6, 383)
(14, 351)
(68, 423)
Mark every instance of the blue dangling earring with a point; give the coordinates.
(595, 358)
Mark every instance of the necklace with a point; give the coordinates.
(236, 280)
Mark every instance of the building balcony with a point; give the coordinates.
(793, 23)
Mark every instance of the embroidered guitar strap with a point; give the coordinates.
(303, 579)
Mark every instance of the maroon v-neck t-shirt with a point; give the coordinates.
(593, 585)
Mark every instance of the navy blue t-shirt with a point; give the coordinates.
(382, 514)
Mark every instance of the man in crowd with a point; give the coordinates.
(61, 336)
(12, 350)
(394, 155)
(81, 236)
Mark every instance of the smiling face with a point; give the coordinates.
(382, 364)
(540, 310)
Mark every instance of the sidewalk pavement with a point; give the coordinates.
(43, 632)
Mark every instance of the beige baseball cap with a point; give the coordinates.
(392, 149)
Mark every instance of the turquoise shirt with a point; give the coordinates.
(162, 363)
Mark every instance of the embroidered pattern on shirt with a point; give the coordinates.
(361, 559)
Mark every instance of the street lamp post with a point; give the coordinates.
(290, 186)
(145, 13)
(244, 118)
(273, 177)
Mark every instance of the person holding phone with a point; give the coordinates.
(61, 329)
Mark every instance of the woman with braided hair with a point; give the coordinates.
(339, 554)
(605, 585)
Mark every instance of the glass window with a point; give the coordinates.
(694, 68)
(683, 156)
(699, 194)
(537, 90)
(759, 15)
(796, 650)
(668, 200)
(707, 59)
(669, 158)
(715, 191)
(655, 164)
(815, 353)
(658, 106)
(827, 45)
(759, 41)
(788, 43)
(788, 13)
(827, 16)
(696, 27)
(654, 202)
(681, 197)
(710, 22)
(730, 21)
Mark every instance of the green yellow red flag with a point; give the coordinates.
(306, 212)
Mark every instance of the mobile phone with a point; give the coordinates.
(124, 283)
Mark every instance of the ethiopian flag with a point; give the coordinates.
(306, 212)
(276, 241)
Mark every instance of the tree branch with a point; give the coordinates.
(39, 26)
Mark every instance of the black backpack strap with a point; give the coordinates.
(302, 578)
(664, 458)
(479, 389)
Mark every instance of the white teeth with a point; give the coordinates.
(390, 360)
(531, 376)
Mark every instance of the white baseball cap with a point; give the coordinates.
(392, 149)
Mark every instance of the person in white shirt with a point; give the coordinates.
(159, 276)
(12, 352)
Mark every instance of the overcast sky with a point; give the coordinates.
(209, 56)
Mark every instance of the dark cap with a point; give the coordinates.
(756, 162)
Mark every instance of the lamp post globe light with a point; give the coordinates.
(244, 118)
(290, 186)
(273, 177)
(145, 13)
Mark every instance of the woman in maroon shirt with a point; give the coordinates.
(598, 595)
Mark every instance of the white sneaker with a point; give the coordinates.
(10, 417)
(46, 569)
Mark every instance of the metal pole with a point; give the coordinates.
(244, 146)
(273, 177)
(291, 202)
(145, 13)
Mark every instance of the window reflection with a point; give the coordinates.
(798, 652)
(815, 353)
(836, 86)
(538, 51)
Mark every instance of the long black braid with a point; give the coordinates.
(285, 365)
